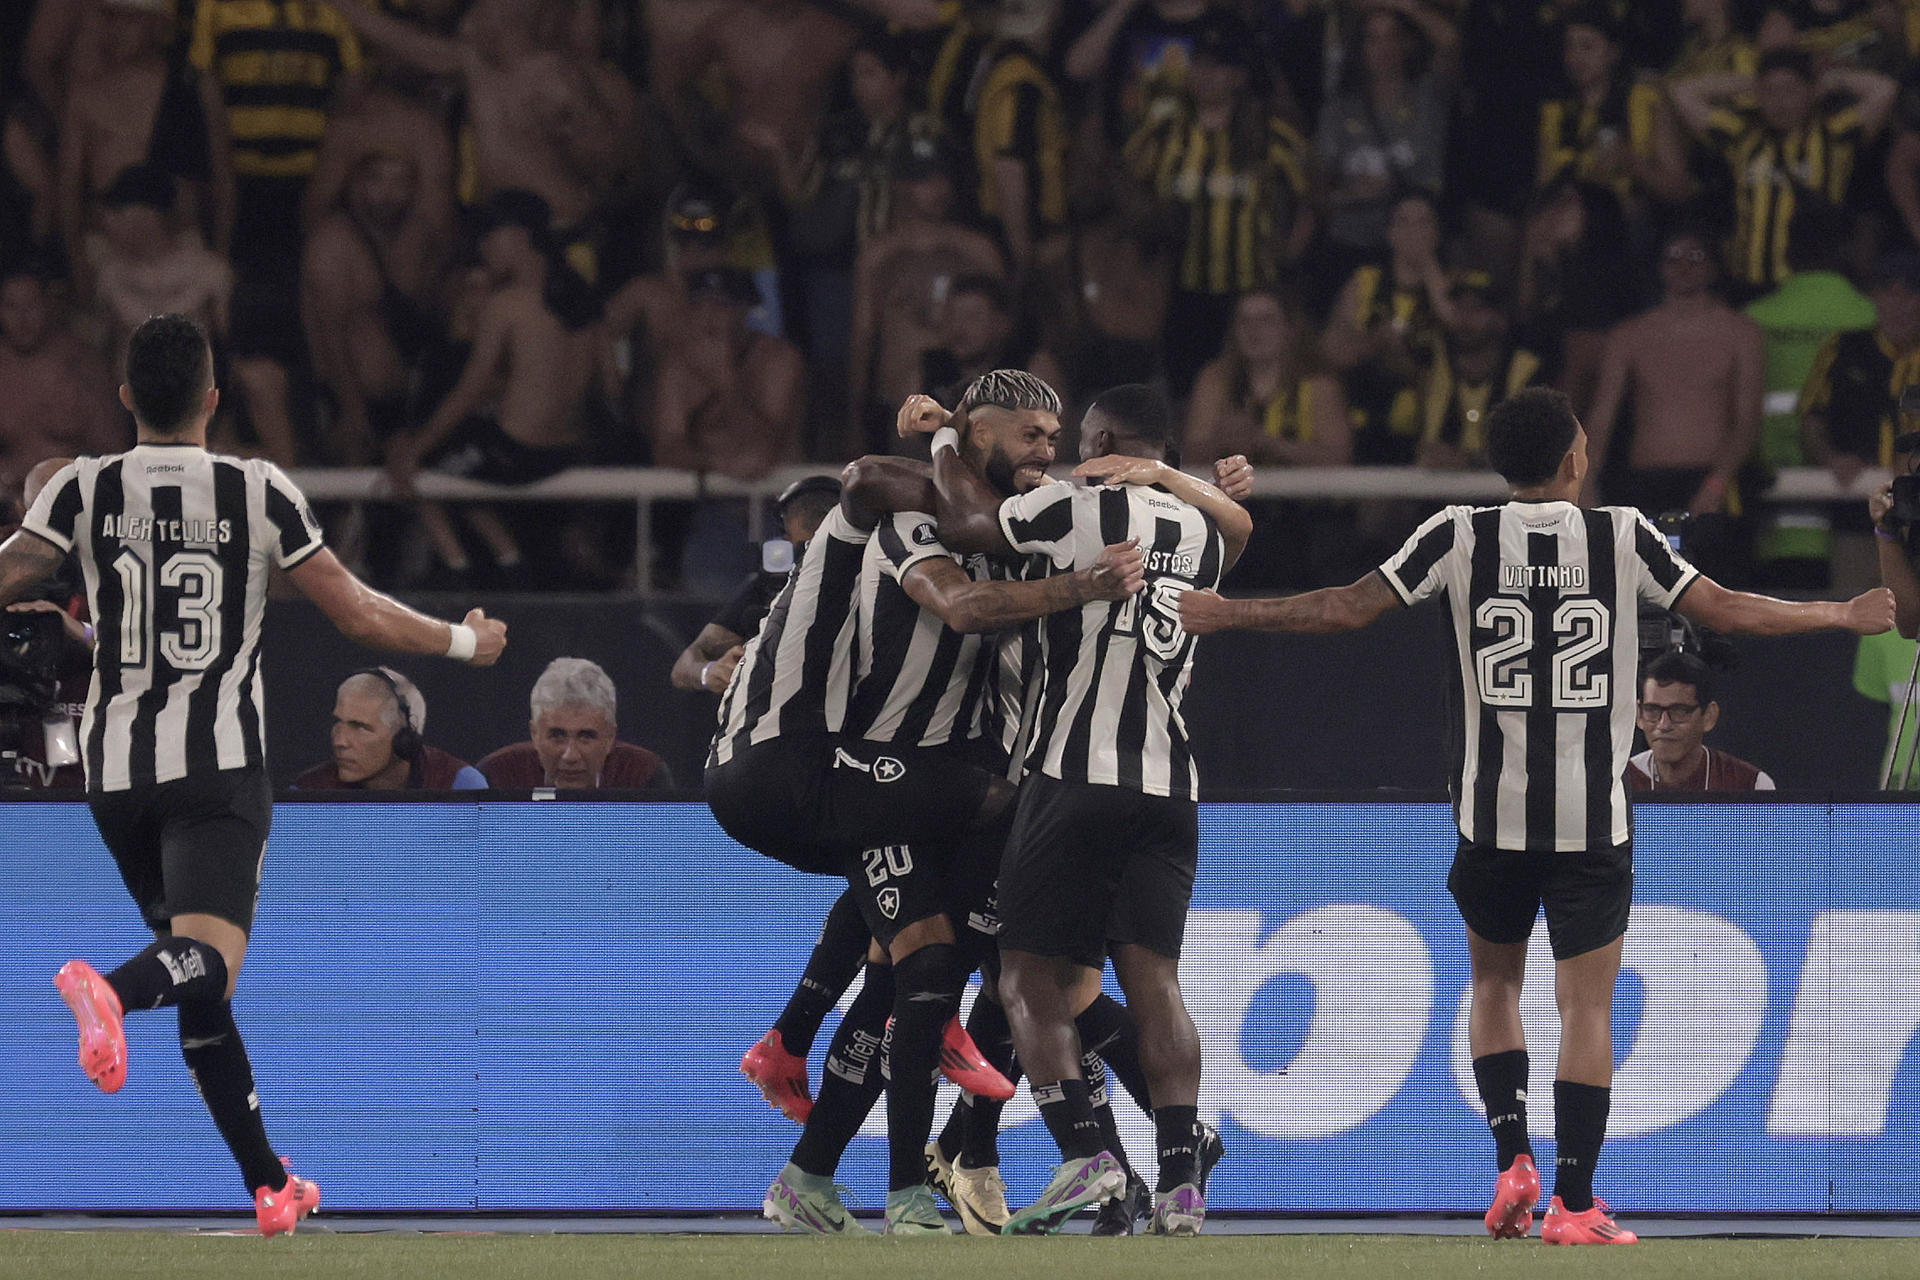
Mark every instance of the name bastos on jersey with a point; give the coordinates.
(1112, 673)
(1544, 602)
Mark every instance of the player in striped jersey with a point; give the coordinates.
(176, 545)
(1107, 770)
(1543, 598)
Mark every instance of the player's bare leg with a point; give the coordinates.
(1499, 1046)
(1582, 1094)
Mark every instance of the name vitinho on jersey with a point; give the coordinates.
(148, 529)
(1520, 577)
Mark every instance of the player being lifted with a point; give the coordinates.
(1543, 597)
(1105, 840)
(176, 545)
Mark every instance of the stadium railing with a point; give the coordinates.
(644, 486)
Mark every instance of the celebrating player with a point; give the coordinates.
(177, 544)
(1105, 840)
(1543, 598)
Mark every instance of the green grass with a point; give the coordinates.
(112, 1255)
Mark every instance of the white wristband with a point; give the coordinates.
(703, 673)
(946, 438)
(462, 640)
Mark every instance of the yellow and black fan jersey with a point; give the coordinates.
(1239, 205)
(1018, 116)
(1455, 410)
(277, 63)
(1771, 171)
(1574, 136)
(1855, 384)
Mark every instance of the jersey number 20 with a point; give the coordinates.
(1583, 628)
(192, 580)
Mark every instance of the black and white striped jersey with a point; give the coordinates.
(175, 543)
(1544, 604)
(1112, 674)
(920, 682)
(796, 674)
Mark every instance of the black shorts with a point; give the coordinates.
(1587, 894)
(192, 846)
(808, 801)
(900, 884)
(482, 450)
(1087, 864)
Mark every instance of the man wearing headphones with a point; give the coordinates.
(378, 717)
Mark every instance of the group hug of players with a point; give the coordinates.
(966, 702)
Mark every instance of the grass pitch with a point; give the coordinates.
(85, 1255)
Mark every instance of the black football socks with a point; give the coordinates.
(1094, 1072)
(836, 957)
(850, 1079)
(171, 971)
(1579, 1127)
(1107, 1027)
(1068, 1113)
(927, 987)
(1502, 1079)
(1178, 1132)
(210, 1042)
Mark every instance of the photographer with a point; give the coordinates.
(1676, 712)
(1894, 509)
(46, 661)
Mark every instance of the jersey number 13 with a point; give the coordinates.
(188, 580)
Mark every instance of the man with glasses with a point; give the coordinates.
(1676, 712)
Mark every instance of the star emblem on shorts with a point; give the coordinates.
(887, 769)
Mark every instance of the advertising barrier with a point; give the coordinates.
(535, 1006)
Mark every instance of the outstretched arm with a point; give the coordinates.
(1235, 525)
(1743, 613)
(379, 621)
(1329, 609)
(25, 559)
(942, 587)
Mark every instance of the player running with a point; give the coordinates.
(177, 545)
(1543, 597)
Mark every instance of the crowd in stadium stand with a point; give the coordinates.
(501, 238)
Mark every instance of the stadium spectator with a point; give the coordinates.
(1787, 147)
(730, 400)
(1690, 370)
(379, 723)
(1384, 132)
(573, 745)
(1383, 330)
(270, 73)
(1712, 44)
(1809, 307)
(1235, 176)
(1850, 406)
(1100, 301)
(26, 175)
(131, 109)
(1612, 128)
(1266, 396)
(977, 334)
(1475, 367)
(143, 266)
(708, 663)
(544, 112)
(518, 412)
(1883, 672)
(1020, 130)
(371, 294)
(901, 284)
(1571, 290)
(56, 394)
(1140, 55)
(1676, 711)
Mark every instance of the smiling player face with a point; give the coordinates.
(1021, 446)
